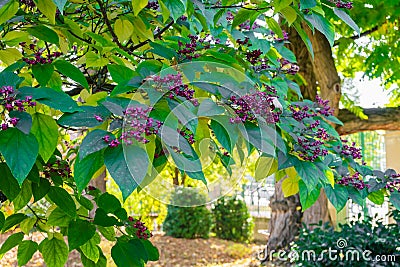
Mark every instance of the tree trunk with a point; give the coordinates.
(321, 72)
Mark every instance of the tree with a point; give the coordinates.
(134, 86)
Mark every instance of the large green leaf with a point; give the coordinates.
(24, 121)
(93, 142)
(12, 241)
(308, 173)
(337, 196)
(20, 151)
(377, 197)
(45, 129)
(39, 190)
(26, 249)
(128, 253)
(108, 202)
(395, 199)
(63, 200)
(84, 118)
(305, 4)
(151, 250)
(121, 74)
(54, 252)
(323, 25)
(2, 219)
(24, 196)
(8, 11)
(101, 218)
(44, 33)
(48, 8)
(117, 166)
(13, 220)
(307, 197)
(85, 169)
(71, 72)
(8, 184)
(80, 232)
(175, 7)
(58, 218)
(90, 248)
(42, 73)
(50, 97)
(346, 18)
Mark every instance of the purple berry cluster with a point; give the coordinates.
(187, 134)
(288, 67)
(253, 56)
(350, 150)
(141, 230)
(59, 168)
(324, 108)
(278, 39)
(394, 183)
(310, 148)
(243, 42)
(189, 50)
(138, 125)
(153, 5)
(259, 104)
(111, 143)
(28, 3)
(229, 16)
(353, 180)
(246, 25)
(39, 58)
(175, 87)
(342, 4)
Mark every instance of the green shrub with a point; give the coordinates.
(232, 219)
(354, 238)
(187, 222)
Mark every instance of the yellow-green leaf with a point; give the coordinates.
(10, 56)
(330, 177)
(8, 11)
(13, 38)
(138, 5)
(123, 29)
(48, 8)
(95, 60)
(290, 186)
(265, 166)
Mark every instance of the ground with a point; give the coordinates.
(174, 252)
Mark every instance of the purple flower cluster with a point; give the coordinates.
(153, 5)
(111, 143)
(288, 67)
(353, 180)
(189, 50)
(249, 106)
(138, 125)
(311, 148)
(57, 168)
(350, 150)
(141, 230)
(187, 134)
(342, 4)
(38, 55)
(175, 87)
(324, 108)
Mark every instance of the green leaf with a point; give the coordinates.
(108, 202)
(54, 252)
(8, 11)
(307, 198)
(58, 218)
(242, 16)
(26, 249)
(2, 220)
(120, 74)
(128, 253)
(265, 166)
(42, 73)
(377, 197)
(107, 232)
(27, 225)
(274, 26)
(63, 200)
(25, 121)
(48, 8)
(50, 97)
(12, 241)
(44, 33)
(151, 250)
(101, 218)
(93, 142)
(290, 14)
(305, 4)
(101, 262)
(209, 108)
(323, 25)
(13, 220)
(39, 190)
(60, 5)
(20, 152)
(222, 133)
(124, 29)
(24, 196)
(85, 169)
(290, 186)
(308, 173)
(117, 166)
(338, 196)
(90, 248)
(84, 118)
(45, 129)
(95, 60)
(346, 18)
(71, 72)
(8, 78)
(85, 202)
(80, 232)
(395, 199)
(8, 184)
(175, 7)
(138, 5)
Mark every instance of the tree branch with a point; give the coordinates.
(355, 37)
(378, 119)
(103, 11)
(157, 35)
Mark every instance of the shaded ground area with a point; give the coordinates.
(174, 252)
